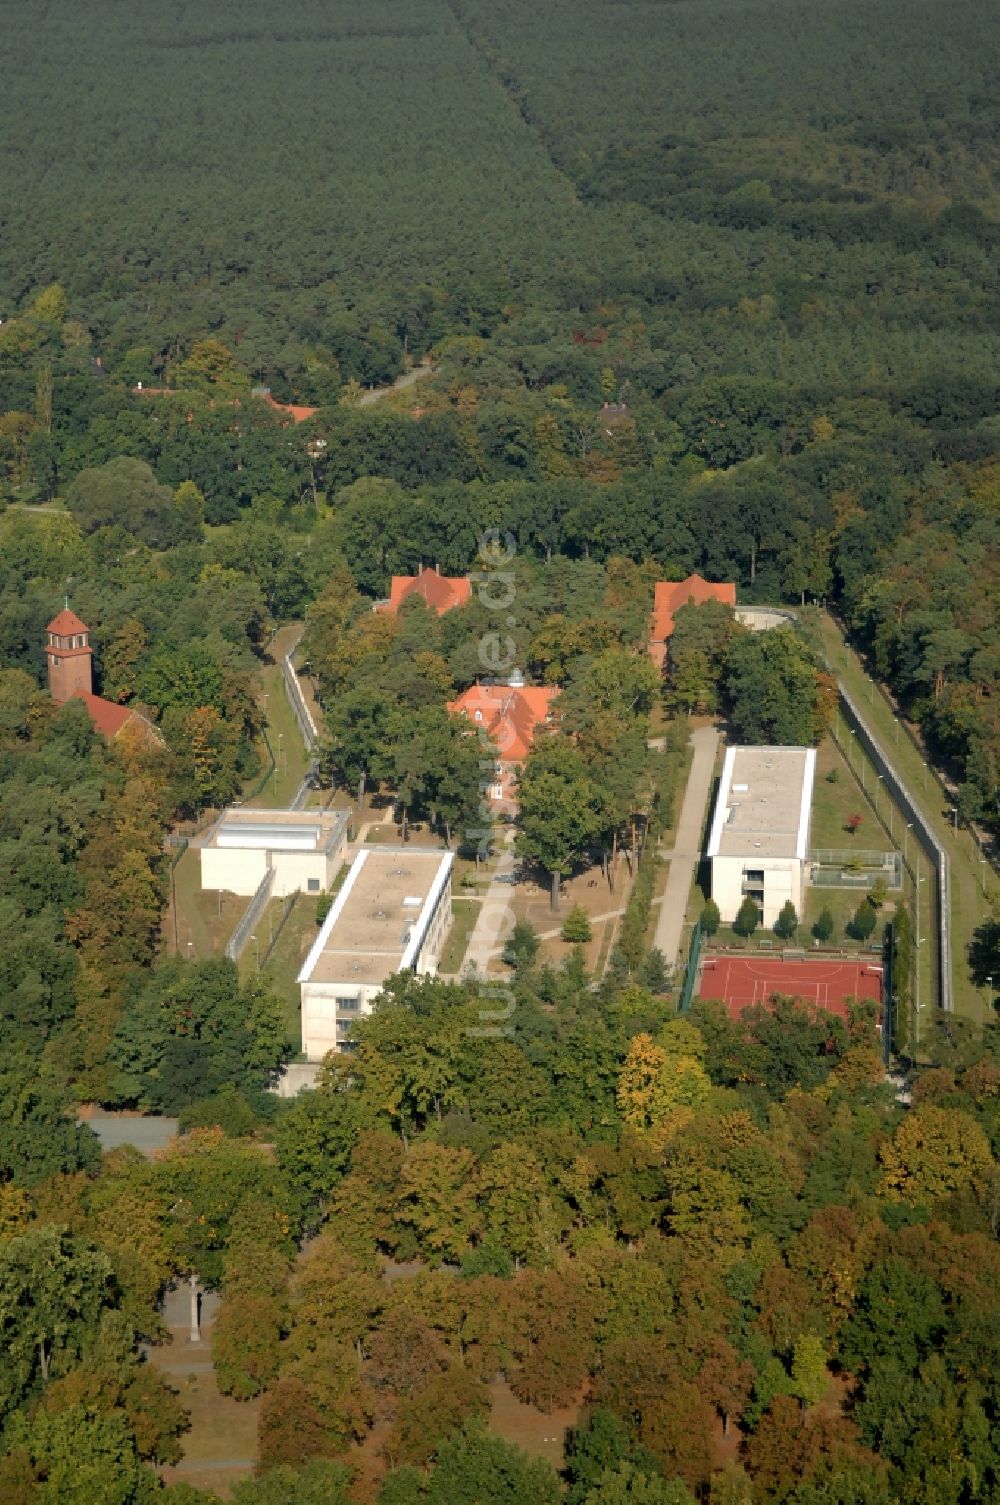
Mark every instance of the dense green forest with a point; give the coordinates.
(776, 244)
(700, 286)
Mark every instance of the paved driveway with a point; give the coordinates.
(687, 846)
(493, 923)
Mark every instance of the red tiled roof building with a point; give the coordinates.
(669, 596)
(71, 677)
(441, 592)
(511, 716)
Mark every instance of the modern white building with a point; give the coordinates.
(303, 848)
(391, 915)
(759, 839)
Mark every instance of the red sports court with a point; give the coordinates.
(740, 981)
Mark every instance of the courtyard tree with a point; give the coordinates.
(711, 919)
(787, 922)
(823, 926)
(863, 921)
(560, 809)
(747, 917)
(576, 926)
(774, 689)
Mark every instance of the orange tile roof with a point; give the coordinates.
(67, 624)
(107, 716)
(442, 592)
(299, 414)
(510, 716)
(670, 595)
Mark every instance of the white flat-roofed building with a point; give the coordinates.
(303, 848)
(392, 914)
(759, 838)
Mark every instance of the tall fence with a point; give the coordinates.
(274, 931)
(300, 798)
(236, 944)
(946, 788)
(924, 834)
(691, 975)
(297, 701)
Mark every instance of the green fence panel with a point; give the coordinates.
(691, 975)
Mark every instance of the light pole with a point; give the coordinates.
(256, 948)
(989, 984)
(954, 816)
(909, 828)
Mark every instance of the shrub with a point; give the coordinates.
(522, 946)
(576, 926)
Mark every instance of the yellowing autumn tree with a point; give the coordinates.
(655, 1083)
(934, 1152)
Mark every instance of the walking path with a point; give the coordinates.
(687, 844)
(408, 378)
(492, 923)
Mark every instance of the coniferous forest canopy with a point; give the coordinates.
(706, 285)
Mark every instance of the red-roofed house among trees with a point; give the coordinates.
(71, 677)
(669, 596)
(510, 715)
(441, 592)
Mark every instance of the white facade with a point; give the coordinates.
(759, 839)
(391, 915)
(304, 849)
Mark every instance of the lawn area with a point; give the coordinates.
(205, 919)
(834, 802)
(464, 913)
(221, 1445)
(969, 879)
(841, 902)
(286, 744)
(284, 963)
(289, 951)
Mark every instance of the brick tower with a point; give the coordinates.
(69, 656)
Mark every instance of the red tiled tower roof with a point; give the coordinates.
(67, 624)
